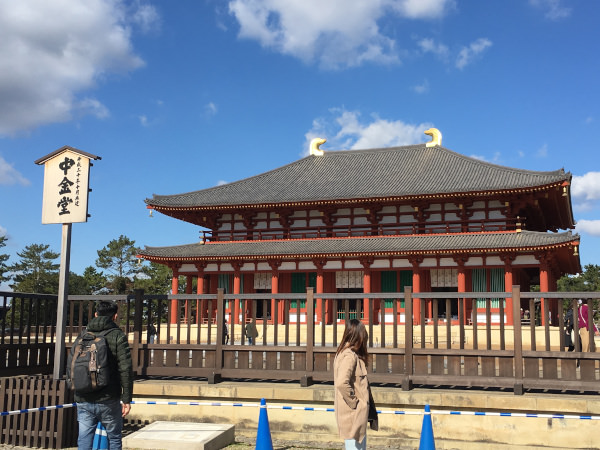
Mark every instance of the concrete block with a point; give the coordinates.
(181, 435)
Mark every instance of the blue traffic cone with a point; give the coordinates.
(100, 438)
(263, 435)
(427, 442)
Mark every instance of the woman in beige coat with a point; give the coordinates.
(352, 393)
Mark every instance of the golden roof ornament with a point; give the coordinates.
(436, 137)
(314, 146)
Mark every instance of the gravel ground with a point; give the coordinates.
(240, 444)
(243, 443)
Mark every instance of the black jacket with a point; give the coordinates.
(121, 368)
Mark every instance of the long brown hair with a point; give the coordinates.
(355, 338)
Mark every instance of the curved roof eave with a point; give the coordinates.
(492, 242)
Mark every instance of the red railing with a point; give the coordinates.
(359, 230)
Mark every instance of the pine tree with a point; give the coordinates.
(118, 257)
(37, 271)
(3, 258)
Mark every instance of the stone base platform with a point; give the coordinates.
(181, 435)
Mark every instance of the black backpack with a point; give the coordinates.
(88, 367)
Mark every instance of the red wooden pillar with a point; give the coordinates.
(367, 290)
(416, 287)
(366, 263)
(319, 265)
(237, 278)
(280, 303)
(462, 287)
(200, 289)
(174, 303)
(200, 303)
(544, 285)
(275, 290)
(508, 282)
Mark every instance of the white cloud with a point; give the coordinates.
(495, 160)
(345, 130)
(542, 151)
(422, 9)
(585, 191)
(422, 88)
(54, 50)
(3, 231)
(143, 120)
(467, 54)
(335, 33)
(210, 109)
(461, 57)
(588, 226)
(93, 107)
(146, 17)
(222, 182)
(9, 175)
(587, 186)
(428, 45)
(554, 10)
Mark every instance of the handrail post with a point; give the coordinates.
(216, 375)
(137, 328)
(517, 341)
(408, 339)
(306, 379)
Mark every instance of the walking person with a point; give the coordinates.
(353, 402)
(251, 332)
(104, 405)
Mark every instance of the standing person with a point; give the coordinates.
(569, 325)
(251, 332)
(151, 333)
(353, 402)
(585, 327)
(225, 331)
(105, 405)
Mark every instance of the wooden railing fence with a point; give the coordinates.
(55, 428)
(435, 349)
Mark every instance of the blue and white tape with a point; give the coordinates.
(312, 408)
(41, 408)
(407, 413)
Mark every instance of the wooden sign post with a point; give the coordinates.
(66, 189)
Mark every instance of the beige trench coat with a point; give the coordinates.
(351, 401)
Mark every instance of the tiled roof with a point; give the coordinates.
(383, 245)
(357, 174)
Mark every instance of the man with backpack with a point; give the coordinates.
(100, 371)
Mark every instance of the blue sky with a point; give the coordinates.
(182, 95)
